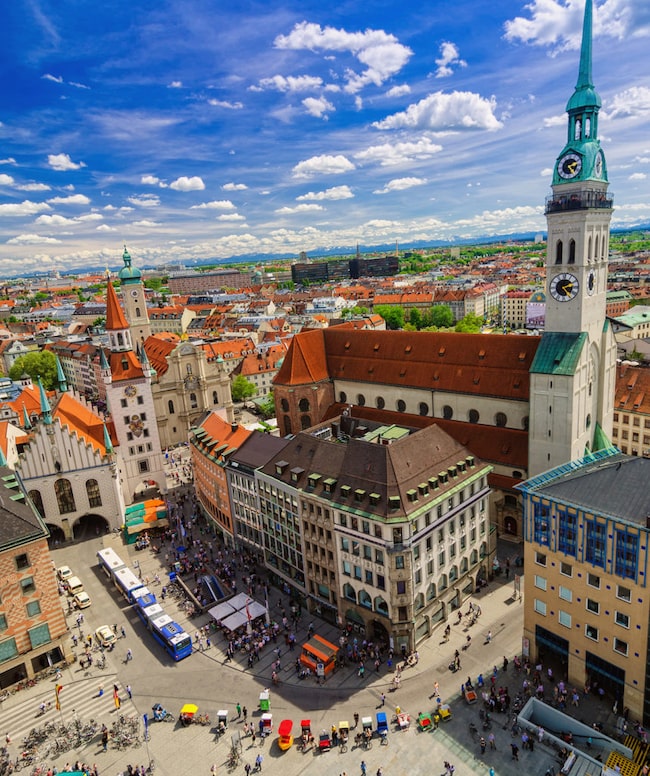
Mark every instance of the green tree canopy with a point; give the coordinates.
(415, 318)
(38, 364)
(267, 407)
(470, 324)
(394, 316)
(242, 389)
(441, 316)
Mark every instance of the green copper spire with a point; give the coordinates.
(45, 404)
(129, 275)
(27, 423)
(3, 459)
(107, 440)
(582, 158)
(60, 376)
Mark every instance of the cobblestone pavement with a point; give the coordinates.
(213, 684)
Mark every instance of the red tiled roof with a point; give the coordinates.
(78, 418)
(125, 366)
(114, 316)
(306, 361)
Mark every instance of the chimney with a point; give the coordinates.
(233, 426)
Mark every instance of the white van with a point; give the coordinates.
(74, 585)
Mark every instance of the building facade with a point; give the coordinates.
(381, 527)
(586, 558)
(34, 630)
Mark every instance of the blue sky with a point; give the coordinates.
(199, 128)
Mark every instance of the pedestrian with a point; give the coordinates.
(258, 762)
(104, 737)
(244, 711)
(356, 719)
(101, 691)
(247, 769)
(238, 707)
(383, 699)
(363, 768)
(436, 689)
(540, 734)
(492, 741)
(515, 752)
(123, 632)
(379, 771)
(482, 744)
(253, 736)
(129, 655)
(128, 691)
(488, 638)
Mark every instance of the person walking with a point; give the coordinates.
(492, 741)
(258, 762)
(128, 691)
(515, 752)
(363, 768)
(383, 699)
(488, 638)
(104, 737)
(129, 655)
(247, 769)
(238, 707)
(244, 711)
(482, 744)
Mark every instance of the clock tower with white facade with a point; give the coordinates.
(572, 375)
(134, 300)
(131, 406)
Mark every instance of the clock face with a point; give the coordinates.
(591, 282)
(598, 165)
(569, 166)
(130, 391)
(134, 292)
(564, 287)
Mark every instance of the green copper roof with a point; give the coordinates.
(129, 274)
(585, 95)
(601, 440)
(558, 353)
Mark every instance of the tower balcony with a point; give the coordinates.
(579, 200)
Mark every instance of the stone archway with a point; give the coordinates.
(57, 535)
(380, 632)
(89, 526)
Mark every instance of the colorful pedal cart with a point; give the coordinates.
(284, 731)
(266, 724)
(265, 700)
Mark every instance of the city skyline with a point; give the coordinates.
(268, 129)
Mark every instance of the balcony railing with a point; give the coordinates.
(579, 200)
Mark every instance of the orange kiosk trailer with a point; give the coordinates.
(318, 655)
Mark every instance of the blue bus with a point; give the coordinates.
(127, 583)
(173, 638)
(148, 613)
(166, 632)
(109, 561)
(143, 597)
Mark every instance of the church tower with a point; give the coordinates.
(131, 405)
(572, 375)
(135, 303)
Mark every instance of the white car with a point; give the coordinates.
(82, 600)
(105, 636)
(63, 573)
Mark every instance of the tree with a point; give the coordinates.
(38, 364)
(267, 407)
(442, 316)
(415, 317)
(394, 316)
(242, 389)
(470, 324)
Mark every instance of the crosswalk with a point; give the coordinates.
(80, 699)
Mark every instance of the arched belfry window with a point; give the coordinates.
(589, 247)
(558, 252)
(137, 312)
(572, 252)
(596, 251)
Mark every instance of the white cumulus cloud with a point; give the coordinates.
(144, 200)
(6, 180)
(145, 223)
(25, 208)
(637, 176)
(389, 154)
(175, 85)
(231, 217)
(318, 107)
(322, 165)
(292, 83)
(440, 111)
(63, 162)
(105, 228)
(632, 102)
(33, 187)
(334, 193)
(73, 199)
(8, 159)
(195, 183)
(216, 204)
(152, 180)
(380, 53)
(226, 104)
(448, 60)
(283, 211)
(398, 91)
(234, 187)
(57, 79)
(32, 239)
(400, 184)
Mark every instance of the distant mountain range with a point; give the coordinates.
(343, 250)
